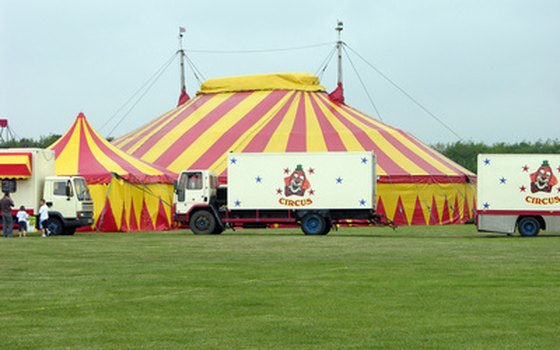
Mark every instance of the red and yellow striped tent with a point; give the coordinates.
(128, 194)
(293, 113)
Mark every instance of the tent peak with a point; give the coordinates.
(263, 82)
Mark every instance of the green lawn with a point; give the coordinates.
(414, 288)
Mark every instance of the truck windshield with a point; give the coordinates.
(82, 191)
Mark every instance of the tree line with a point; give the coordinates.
(462, 152)
(465, 153)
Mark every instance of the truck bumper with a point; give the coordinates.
(78, 222)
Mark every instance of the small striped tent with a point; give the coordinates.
(128, 194)
(293, 113)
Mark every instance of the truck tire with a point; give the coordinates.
(314, 224)
(528, 226)
(202, 223)
(55, 227)
(70, 231)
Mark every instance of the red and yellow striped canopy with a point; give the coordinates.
(16, 165)
(280, 113)
(82, 151)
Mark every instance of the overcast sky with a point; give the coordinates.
(489, 70)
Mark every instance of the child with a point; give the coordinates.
(22, 221)
(43, 217)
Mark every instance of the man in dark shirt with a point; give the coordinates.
(6, 204)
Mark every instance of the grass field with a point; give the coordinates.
(415, 288)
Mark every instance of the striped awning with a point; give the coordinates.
(281, 113)
(16, 165)
(82, 151)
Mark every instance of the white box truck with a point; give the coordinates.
(518, 192)
(28, 174)
(314, 190)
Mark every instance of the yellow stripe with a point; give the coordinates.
(243, 141)
(279, 139)
(315, 137)
(157, 125)
(180, 129)
(384, 145)
(67, 161)
(211, 135)
(348, 138)
(141, 166)
(107, 162)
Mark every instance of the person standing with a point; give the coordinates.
(6, 204)
(43, 217)
(22, 221)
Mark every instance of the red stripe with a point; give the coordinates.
(330, 135)
(422, 179)
(383, 159)
(64, 139)
(88, 166)
(261, 140)
(119, 157)
(297, 139)
(234, 134)
(407, 152)
(168, 128)
(519, 212)
(202, 126)
(136, 136)
(446, 161)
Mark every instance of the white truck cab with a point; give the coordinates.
(28, 174)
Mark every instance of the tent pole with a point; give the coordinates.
(339, 49)
(182, 59)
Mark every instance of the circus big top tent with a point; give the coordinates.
(293, 113)
(128, 194)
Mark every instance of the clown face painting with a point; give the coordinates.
(296, 184)
(543, 180)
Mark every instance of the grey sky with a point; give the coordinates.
(489, 69)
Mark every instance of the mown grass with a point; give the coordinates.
(358, 288)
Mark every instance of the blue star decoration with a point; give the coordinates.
(237, 203)
(362, 202)
(258, 179)
(486, 205)
(233, 160)
(503, 180)
(486, 161)
(339, 180)
(364, 160)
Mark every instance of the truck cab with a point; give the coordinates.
(194, 189)
(70, 204)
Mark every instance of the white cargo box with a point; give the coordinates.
(333, 180)
(518, 182)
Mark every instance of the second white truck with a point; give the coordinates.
(313, 190)
(28, 174)
(518, 192)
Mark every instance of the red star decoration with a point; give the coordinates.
(286, 171)
(525, 168)
(522, 188)
(278, 191)
(312, 192)
(311, 171)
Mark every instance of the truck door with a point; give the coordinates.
(62, 198)
(191, 190)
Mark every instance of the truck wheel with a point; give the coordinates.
(202, 223)
(55, 227)
(70, 231)
(528, 227)
(314, 224)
